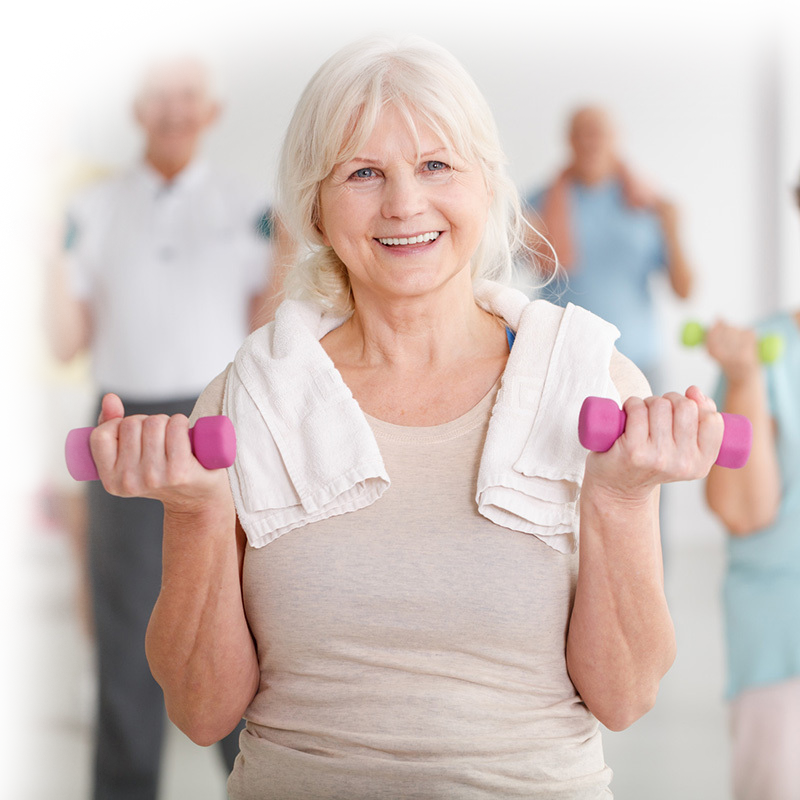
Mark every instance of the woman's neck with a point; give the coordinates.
(416, 333)
(420, 363)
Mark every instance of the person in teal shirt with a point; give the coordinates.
(611, 234)
(760, 507)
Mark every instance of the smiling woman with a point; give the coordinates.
(447, 126)
(406, 227)
(388, 586)
(402, 222)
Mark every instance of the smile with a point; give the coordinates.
(418, 239)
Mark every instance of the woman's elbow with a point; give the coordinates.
(203, 730)
(618, 711)
(622, 713)
(622, 717)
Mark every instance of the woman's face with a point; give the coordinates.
(403, 224)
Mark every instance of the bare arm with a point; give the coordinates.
(680, 273)
(621, 640)
(68, 320)
(198, 642)
(746, 499)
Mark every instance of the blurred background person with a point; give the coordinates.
(760, 507)
(42, 397)
(611, 234)
(166, 269)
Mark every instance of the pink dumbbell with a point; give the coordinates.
(601, 422)
(213, 443)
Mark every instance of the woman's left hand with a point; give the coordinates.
(671, 438)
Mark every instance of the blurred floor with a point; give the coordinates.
(678, 750)
(60, 685)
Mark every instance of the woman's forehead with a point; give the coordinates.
(417, 131)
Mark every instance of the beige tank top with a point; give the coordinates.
(413, 649)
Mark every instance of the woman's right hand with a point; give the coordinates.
(151, 456)
(735, 349)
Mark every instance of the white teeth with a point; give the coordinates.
(423, 237)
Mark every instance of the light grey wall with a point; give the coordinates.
(697, 117)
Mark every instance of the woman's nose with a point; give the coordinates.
(403, 197)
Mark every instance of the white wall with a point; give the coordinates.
(690, 109)
(789, 154)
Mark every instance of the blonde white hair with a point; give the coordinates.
(334, 118)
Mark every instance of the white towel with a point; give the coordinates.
(305, 451)
(532, 464)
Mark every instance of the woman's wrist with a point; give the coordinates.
(209, 511)
(744, 387)
(742, 375)
(607, 499)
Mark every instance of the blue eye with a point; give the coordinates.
(364, 172)
(435, 166)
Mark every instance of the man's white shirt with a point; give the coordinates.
(169, 270)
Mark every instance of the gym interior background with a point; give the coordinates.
(708, 109)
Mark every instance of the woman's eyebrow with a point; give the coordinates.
(368, 159)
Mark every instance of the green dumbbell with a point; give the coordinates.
(770, 347)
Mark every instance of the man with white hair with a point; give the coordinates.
(166, 268)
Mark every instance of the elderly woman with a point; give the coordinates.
(386, 584)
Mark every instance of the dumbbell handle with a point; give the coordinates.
(213, 442)
(601, 422)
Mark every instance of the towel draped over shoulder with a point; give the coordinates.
(306, 451)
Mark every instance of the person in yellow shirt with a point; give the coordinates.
(41, 397)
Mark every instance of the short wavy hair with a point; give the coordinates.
(333, 120)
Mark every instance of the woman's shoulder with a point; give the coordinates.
(627, 377)
(209, 404)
